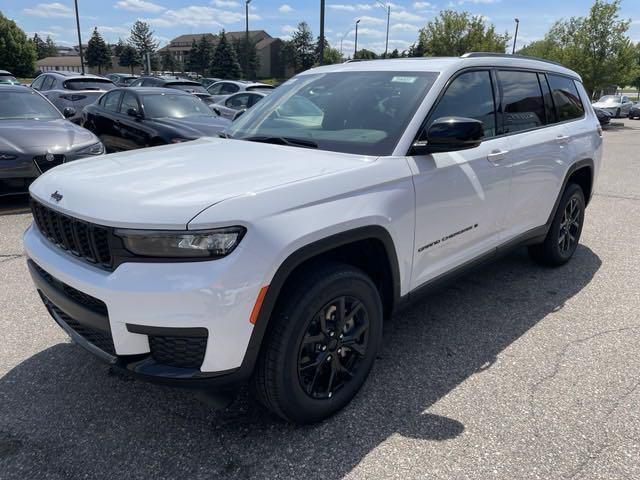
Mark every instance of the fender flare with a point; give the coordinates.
(579, 165)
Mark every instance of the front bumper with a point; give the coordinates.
(152, 302)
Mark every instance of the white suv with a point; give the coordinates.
(273, 255)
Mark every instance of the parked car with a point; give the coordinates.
(604, 117)
(617, 105)
(122, 79)
(135, 117)
(206, 81)
(7, 78)
(70, 89)
(222, 89)
(273, 255)
(635, 111)
(185, 85)
(238, 102)
(35, 137)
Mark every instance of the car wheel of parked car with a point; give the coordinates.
(564, 234)
(321, 345)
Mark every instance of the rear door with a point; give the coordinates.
(462, 196)
(132, 133)
(104, 120)
(538, 144)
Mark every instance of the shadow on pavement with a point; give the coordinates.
(14, 204)
(64, 416)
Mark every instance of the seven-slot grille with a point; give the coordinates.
(85, 240)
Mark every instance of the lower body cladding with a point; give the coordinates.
(185, 324)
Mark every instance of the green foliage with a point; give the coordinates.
(127, 55)
(98, 52)
(299, 53)
(365, 54)
(395, 53)
(595, 46)
(50, 48)
(200, 55)
(17, 52)
(455, 33)
(142, 38)
(168, 63)
(225, 61)
(331, 55)
(247, 57)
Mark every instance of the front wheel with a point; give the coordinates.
(322, 343)
(563, 236)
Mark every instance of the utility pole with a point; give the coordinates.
(515, 37)
(79, 37)
(246, 37)
(321, 49)
(355, 48)
(388, 9)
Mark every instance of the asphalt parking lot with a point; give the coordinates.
(512, 372)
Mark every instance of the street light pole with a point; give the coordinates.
(321, 49)
(246, 37)
(515, 37)
(355, 48)
(79, 37)
(388, 9)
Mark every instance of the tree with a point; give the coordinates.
(300, 53)
(17, 52)
(98, 52)
(41, 47)
(331, 55)
(365, 54)
(168, 63)
(395, 53)
(142, 40)
(50, 48)
(596, 46)
(200, 55)
(225, 62)
(128, 56)
(247, 57)
(455, 33)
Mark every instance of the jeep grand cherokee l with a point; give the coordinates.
(273, 255)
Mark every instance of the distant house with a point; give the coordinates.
(268, 49)
(69, 63)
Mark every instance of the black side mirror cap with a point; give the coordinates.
(450, 134)
(132, 112)
(68, 112)
(239, 113)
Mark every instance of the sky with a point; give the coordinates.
(170, 18)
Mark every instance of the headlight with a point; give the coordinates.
(195, 244)
(95, 149)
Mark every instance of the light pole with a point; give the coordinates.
(246, 37)
(388, 9)
(79, 37)
(321, 49)
(355, 48)
(515, 37)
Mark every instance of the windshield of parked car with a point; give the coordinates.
(26, 105)
(610, 99)
(10, 79)
(89, 84)
(188, 87)
(351, 112)
(166, 105)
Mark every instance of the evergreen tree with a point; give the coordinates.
(41, 46)
(50, 48)
(395, 53)
(142, 40)
(17, 52)
(300, 52)
(128, 57)
(98, 52)
(200, 55)
(168, 62)
(247, 57)
(225, 62)
(365, 54)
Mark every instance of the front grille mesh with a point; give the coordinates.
(183, 352)
(85, 240)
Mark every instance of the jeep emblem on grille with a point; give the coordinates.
(56, 196)
(49, 157)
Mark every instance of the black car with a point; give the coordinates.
(635, 111)
(122, 79)
(183, 84)
(134, 117)
(604, 117)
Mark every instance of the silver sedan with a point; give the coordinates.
(238, 102)
(617, 105)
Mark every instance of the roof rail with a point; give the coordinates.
(508, 55)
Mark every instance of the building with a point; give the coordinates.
(268, 49)
(69, 63)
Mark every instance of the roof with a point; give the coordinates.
(146, 90)
(76, 75)
(20, 88)
(5, 72)
(63, 61)
(448, 65)
(184, 41)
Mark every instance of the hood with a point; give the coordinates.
(56, 135)
(195, 127)
(165, 187)
(606, 104)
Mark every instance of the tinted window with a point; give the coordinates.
(129, 101)
(187, 87)
(47, 83)
(238, 101)
(522, 104)
(229, 88)
(566, 98)
(215, 88)
(37, 83)
(549, 109)
(92, 84)
(137, 83)
(469, 95)
(261, 87)
(111, 101)
(167, 105)
(253, 99)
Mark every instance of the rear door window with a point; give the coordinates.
(111, 101)
(565, 97)
(229, 88)
(129, 101)
(37, 83)
(48, 82)
(522, 103)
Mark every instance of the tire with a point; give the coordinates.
(293, 376)
(561, 241)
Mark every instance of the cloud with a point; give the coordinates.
(107, 29)
(49, 10)
(139, 6)
(285, 9)
(195, 16)
(405, 27)
(405, 16)
(351, 8)
(288, 29)
(462, 2)
(422, 5)
(370, 32)
(371, 20)
(225, 3)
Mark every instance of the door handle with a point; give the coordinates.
(496, 156)
(562, 138)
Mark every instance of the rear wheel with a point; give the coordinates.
(321, 345)
(563, 236)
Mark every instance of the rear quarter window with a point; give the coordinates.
(522, 102)
(565, 97)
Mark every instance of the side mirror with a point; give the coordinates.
(238, 114)
(133, 112)
(450, 134)
(215, 110)
(68, 112)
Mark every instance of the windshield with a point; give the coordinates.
(350, 112)
(26, 105)
(93, 84)
(188, 87)
(610, 99)
(166, 105)
(10, 79)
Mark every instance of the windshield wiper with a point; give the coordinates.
(289, 141)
